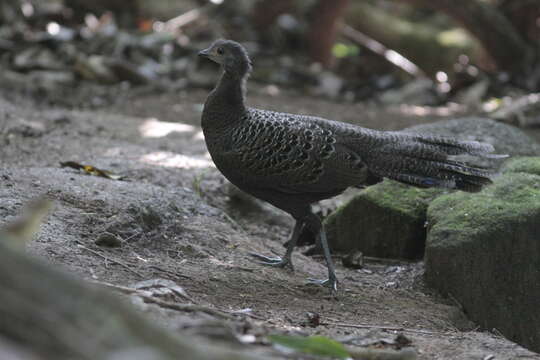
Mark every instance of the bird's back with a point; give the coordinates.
(293, 154)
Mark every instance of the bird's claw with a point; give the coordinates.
(330, 283)
(272, 261)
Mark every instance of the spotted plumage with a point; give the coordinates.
(292, 161)
(270, 143)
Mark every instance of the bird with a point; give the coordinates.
(293, 161)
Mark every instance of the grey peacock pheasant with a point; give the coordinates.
(292, 161)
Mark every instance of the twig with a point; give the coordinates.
(179, 21)
(382, 327)
(109, 259)
(248, 314)
(187, 307)
(169, 272)
(390, 55)
(166, 304)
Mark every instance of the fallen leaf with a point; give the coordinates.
(313, 319)
(91, 170)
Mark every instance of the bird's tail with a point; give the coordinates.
(430, 161)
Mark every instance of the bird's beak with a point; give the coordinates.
(204, 53)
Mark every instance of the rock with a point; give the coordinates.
(483, 250)
(94, 68)
(418, 92)
(25, 128)
(249, 207)
(505, 138)
(50, 80)
(107, 239)
(522, 111)
(313, 319)
(472, 96)
(353, 260)
(149, 217)
(525, 164)
(329, 85)
(125, 71)
(385, 220)
(37, 58)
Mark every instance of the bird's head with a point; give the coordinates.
(230, 55)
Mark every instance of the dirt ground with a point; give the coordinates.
(176, 220)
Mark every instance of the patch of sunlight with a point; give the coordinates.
(492, 104)
(153, 128)
(441, 76)
(169, 159)
(404, 63)
(199, 135)
(53, 28)
(448, 110)
(454, 37)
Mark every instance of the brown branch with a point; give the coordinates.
(389, 55)
(324, 28)
(166, 304)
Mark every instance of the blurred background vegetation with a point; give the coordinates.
(472, 52)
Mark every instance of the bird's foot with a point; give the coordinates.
(272, 260)
(330, 283)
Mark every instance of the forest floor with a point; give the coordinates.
(176, 219)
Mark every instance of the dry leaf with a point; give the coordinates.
(91, 170)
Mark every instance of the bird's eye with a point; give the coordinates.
(220, 51)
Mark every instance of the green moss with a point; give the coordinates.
(385, 220)
(483, 249)
(525, 164)
(402, 198)
(492, 210)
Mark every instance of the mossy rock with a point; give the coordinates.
(484, 250)
(387, 220)
(524, 164)
(384, 220)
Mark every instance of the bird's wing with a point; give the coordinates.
(296, 154)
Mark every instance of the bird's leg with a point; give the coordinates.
(316, 225)
(286, 260)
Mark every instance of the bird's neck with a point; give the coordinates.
(231, 90)
(225, 104)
